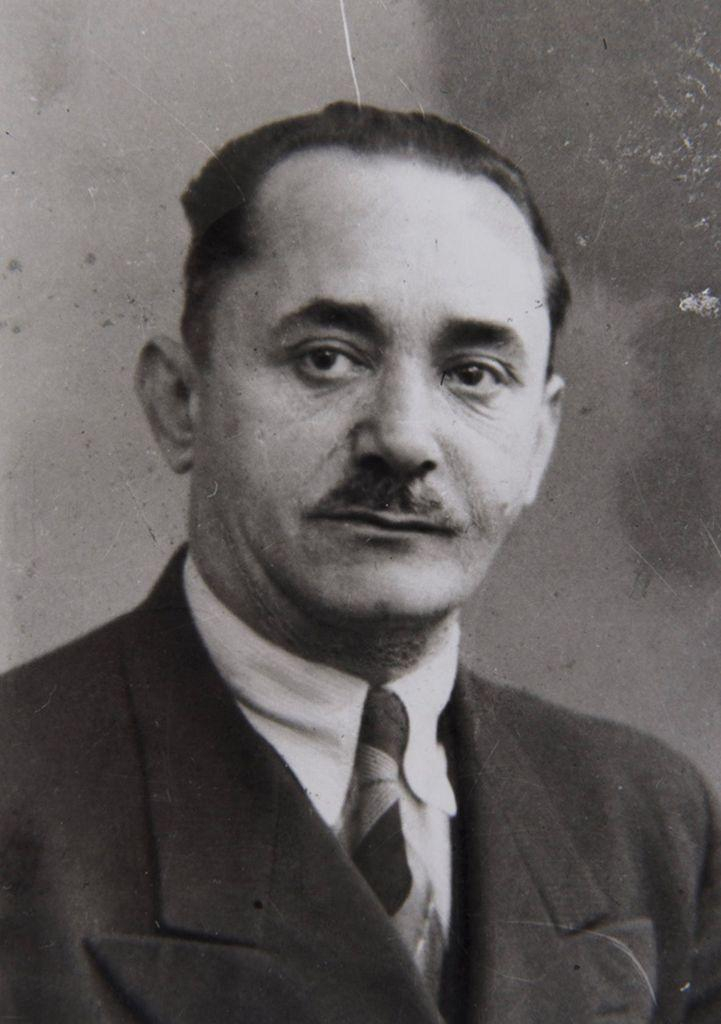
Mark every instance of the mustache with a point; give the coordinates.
(377, 489)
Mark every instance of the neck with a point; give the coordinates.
(377, 649)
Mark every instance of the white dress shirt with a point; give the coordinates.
(311, 713)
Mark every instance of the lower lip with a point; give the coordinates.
(381, 529)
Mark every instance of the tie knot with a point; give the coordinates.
(384, 725)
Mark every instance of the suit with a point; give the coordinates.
(161, 864)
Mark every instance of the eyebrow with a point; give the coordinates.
(358, 318)
(354, 317)
(481, 333)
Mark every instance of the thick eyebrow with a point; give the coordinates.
(354, 317)
(479, 333)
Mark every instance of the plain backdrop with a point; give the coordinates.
(608, 595)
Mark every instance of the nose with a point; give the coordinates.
(397, 424)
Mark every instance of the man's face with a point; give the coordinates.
(376, 411)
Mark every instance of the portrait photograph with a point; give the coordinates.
(360, 519)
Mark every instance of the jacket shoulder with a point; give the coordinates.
(555, 734)
(73, 829)
(606, 775)
(65, 717)
(86, 665)
(70, 670)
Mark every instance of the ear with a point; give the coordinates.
(166, 381)
(549, 420)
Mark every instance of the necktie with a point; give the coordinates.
(376, 842)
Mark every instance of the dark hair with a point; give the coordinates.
(218, 201)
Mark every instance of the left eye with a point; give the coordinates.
(473, 375)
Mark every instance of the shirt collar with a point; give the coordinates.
(311, 713)
(425, 691)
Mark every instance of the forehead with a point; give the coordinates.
(390, 228)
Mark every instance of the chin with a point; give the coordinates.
(399, 594)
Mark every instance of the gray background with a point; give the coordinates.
(608, 596)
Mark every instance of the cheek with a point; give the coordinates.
(230, 427)
(493, 468)
(274, 454)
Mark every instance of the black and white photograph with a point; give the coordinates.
(360, 519)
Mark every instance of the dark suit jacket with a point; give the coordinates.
(161, 864)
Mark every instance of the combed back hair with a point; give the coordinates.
(219, 201)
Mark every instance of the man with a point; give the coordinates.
(268, 794)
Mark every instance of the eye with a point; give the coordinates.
(323, 359)
(328, 363)
(475, 376)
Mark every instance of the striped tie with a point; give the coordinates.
(376, 842)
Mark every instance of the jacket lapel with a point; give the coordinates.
(259, 915)
(541, 946)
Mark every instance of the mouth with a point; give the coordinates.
(391, 522)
